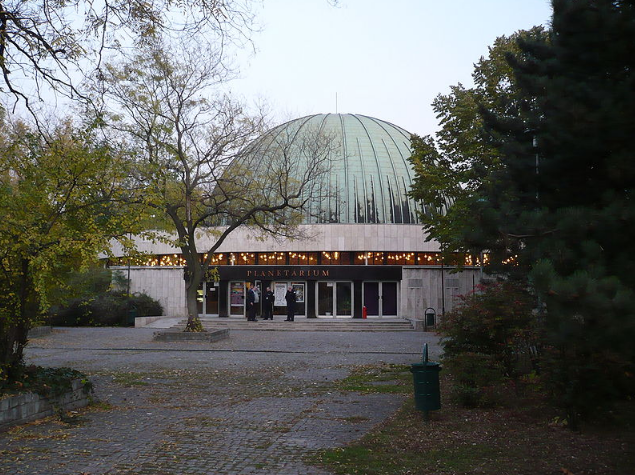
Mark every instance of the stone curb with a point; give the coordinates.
(175, 335)
(28, 407)
(40, 331)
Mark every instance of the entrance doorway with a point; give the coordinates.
(334, 299)
(237, 298)
(207, 299)
(380, 299)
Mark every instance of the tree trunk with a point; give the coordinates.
(8, 333)
(14, 330)
(193, 281)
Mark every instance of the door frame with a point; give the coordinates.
(380, 292)
(203, 298)
(334, 291)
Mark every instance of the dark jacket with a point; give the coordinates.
(268, 298)
(290, 298)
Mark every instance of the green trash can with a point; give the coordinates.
(132, 314)
(431, 317)
(425, 376)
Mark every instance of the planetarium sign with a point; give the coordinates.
(308, 272)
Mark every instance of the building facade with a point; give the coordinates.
(364, 255)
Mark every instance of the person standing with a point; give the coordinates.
(267, 304)
(251, 304)
(291, 300)
(256, 290)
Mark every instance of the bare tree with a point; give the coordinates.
(195, 160)
(48, 45)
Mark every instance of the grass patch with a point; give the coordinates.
(519, 438)
(130, 379)
(98, 406)
(368, 460)
(383, 378)
(355, 419)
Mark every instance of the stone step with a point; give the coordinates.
(304, 324)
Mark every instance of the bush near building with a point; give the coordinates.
(99, 297)
(110, 308)
(488, 340)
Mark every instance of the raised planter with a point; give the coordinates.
(180, 335)
(28, 407)
(145, 321)
(40, 331)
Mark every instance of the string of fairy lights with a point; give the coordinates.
(305, 258)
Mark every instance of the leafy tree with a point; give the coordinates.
(185, 138)
(56, 195)
(454, 169)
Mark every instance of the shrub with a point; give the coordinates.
(485, 339)
(47, 382)
(106, 309)
(474, 377)
(585, 384)
(146, 306)
(496, 320)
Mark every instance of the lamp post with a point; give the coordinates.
(442, 283)
(129, 303)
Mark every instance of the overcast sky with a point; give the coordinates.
(383, 58)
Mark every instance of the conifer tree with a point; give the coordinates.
(564, 195)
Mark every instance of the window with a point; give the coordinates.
(335, 258)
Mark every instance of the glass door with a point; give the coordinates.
(344, 299)
(334, 299)
(389, 299)
(211, 298)
(380, 299)
(237, 298)
(280, 303)
(371, 298)
(207, 299)
(326, 294)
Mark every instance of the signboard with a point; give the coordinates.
(309, 273)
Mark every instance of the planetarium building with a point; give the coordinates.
(365, 254)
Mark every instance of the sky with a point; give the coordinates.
(387, 59)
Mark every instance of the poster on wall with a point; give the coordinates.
(279, 291)
(237, 293)
(299, 292)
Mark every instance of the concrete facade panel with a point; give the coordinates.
(322, 237)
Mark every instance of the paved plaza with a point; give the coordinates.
(258, 402)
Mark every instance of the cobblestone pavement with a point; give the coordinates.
(255, 403)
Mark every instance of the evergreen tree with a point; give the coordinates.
(564, 194)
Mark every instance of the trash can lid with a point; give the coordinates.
(427, 364)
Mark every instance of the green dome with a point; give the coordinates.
(370, 175)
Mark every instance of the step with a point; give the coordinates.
(304, 324)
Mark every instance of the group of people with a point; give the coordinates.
(268, 298)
